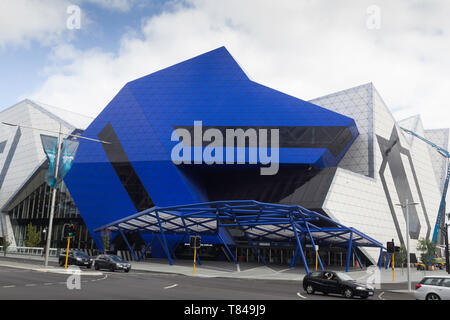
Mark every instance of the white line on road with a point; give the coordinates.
(9, 286)
(298, 293)
(30, 285)
(172, 286)
(48, 284)
(379, 296)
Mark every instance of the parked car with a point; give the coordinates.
(76, 257)
(337, 283)
(421, 266)
(433, 288)
(111, 262)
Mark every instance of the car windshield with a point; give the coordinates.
(81, 254)
(117, 259)
(344, 276)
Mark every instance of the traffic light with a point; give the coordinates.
(72, 230)
(194, 241)
(69, 230)
(390, 247)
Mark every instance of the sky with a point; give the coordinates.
(306, 48)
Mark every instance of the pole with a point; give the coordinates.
(195, 254)
(67, 251)
(52, 210)
(316, 257)
(407, 247)
(446, 249)
(393, 266)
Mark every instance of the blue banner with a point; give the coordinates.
(67, 157)
(50, 145)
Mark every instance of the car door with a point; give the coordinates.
(445, 290)
(315, 279)
(100, 262)
(330, 285)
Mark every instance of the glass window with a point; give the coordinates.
(445, 282)
(432, 281)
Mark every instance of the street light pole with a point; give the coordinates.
(447, 267)
(52, 208)
(407, 247)
(408, 258)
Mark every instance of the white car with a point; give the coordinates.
(433, 288)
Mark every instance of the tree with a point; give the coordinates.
(105, 238)
(33, 236)
(401, 256)
(427, 249)
(5, 244)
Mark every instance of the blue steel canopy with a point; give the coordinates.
(257, 221)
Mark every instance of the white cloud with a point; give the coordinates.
(304, 48)
(121, 5)
(22, 21)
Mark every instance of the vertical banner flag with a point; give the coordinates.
(50, 148)
(67, 156)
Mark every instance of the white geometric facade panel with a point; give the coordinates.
(356, 103)
(383, 168)
(440, 163)
(21, 152)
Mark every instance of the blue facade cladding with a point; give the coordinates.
(211, 88)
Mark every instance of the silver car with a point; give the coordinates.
(433, 288)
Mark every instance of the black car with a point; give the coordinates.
(76, 257)
(337, 283)
(111, 262)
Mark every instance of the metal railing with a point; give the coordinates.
(29, 251)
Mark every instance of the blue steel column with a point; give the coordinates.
(146, 248)
(300, 246)
(253, 246)
(165, 246)
(228, 249)
(357, 258)
(294, 258)
(386, 263)
(314, 246)
(349, 251)
(128, 245)
(380, 260)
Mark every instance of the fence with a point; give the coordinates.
(29, 251)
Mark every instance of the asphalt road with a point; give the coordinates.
(27, 284)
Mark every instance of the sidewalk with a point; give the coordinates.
(36, 263)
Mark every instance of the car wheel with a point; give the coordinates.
(61, 263)
(96, 267)
(89, 266)
(309, 289)
(348, 293)
(433, 296)
(127, 270)
(112, 269)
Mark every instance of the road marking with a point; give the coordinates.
(30, 285)
(298, 293)
(48, 284)
(172, 286)
(9, 286)
(379, 296)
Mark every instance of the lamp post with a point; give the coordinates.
(445, 234)
(406, 206)
(52, 208)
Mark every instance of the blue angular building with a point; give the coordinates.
(136, 170)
